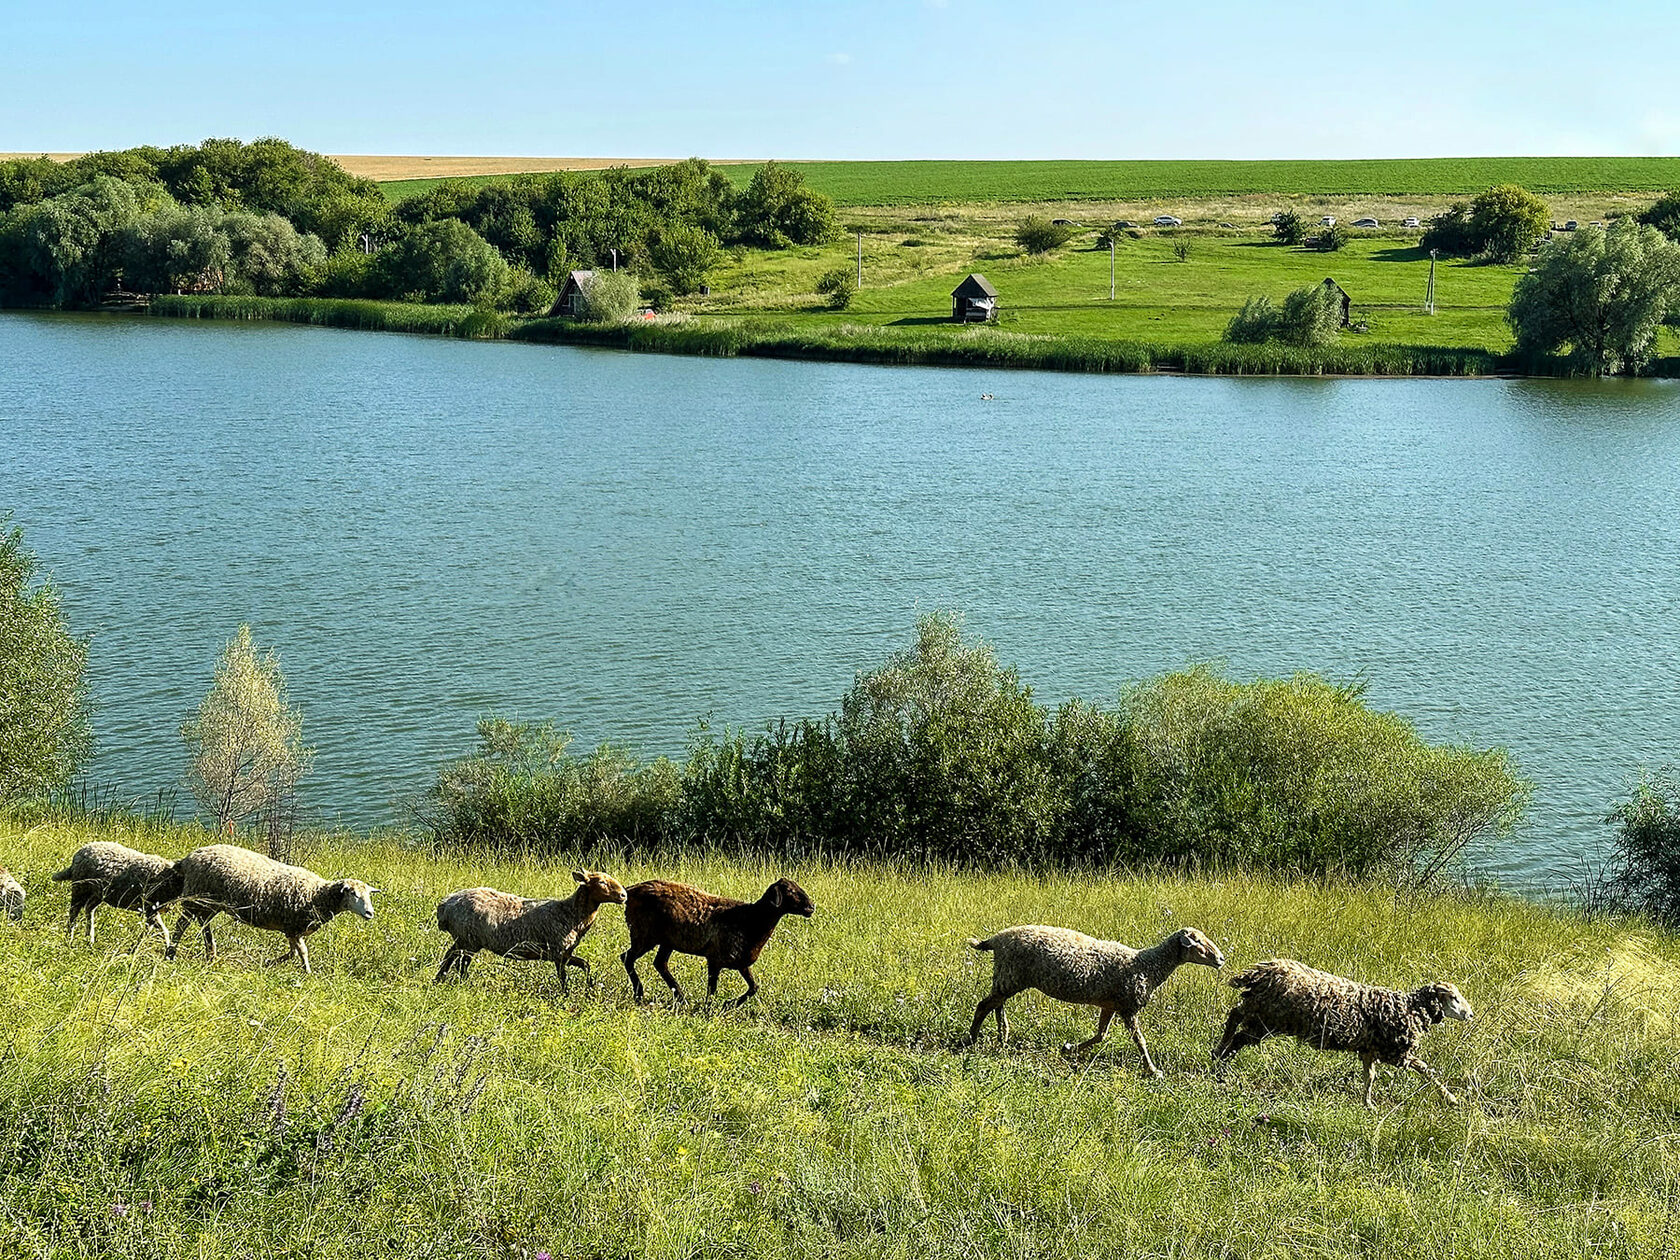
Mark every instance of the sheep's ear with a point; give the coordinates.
(582, 877)
(774, 895)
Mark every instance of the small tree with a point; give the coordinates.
(1037, 235)
(612, 297)
(1506, 220)
(777, 210)
(1289, 227)
(1601, 294)
(1331, 238)
(1257, 321)
(839, 287)
(682, 254)
(1181, 251)
(1664, 215)
(1310, 316)
(44, 732)
(1645, 866)
(246, 743)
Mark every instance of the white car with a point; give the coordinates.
(1328, 220)
(1366, 223)
(1410, 221)
(1167, 220)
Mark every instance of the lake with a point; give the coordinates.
(431, 530)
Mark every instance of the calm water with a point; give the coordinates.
(429, 530)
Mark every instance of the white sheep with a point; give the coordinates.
(261, 893)
(104, 873)
(12, 896)
(543, 930)
(1282, 997)
(1072, 967)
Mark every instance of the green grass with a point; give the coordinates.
(185, 1110)
(360, 313)
(925, 183)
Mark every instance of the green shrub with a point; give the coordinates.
(1310, 316)
(1289, 227)
(1331, 238)
(442, 260)
(527, 294)
(1664, 215)
(682, 255)
(612, 297)
(1037, 235)
(1645, 865)
(839, 286)
(776, 210)
(1181, 251)
(44, 731)
(1256, 322)
(1500, 224)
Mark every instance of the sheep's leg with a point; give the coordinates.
(92, 906)
(450, 957)
(752, 985)
(77, 903)
(1104, 1015)
(1133, 1027)
(714, 969)
(1370, 1061)
(209, 941)
(560, 961)
(1428, 1073)
(662, 964)
(154, 918)
(1230, 1043)
(301, 948)
(628, 958)
(988, 1006)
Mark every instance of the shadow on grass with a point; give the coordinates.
(909, 320)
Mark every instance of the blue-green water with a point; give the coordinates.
(429, 530)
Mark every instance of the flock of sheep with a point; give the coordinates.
(1280, 997)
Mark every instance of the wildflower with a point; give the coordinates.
(542, 1255)
(753, 1187)
(119, 1210)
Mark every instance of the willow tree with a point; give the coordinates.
(44, 732)
(246, 742)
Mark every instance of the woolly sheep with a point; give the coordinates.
(728, 934)
(1281, 997)
(545, 930)
(103, 873)
(12, 896)
(260, 893)
(1072, 967)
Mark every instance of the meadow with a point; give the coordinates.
(185, 1109)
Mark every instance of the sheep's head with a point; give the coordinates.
(600, 888)
(1193, 947)
(789, 898)
(356, 897)
(1442, 1001)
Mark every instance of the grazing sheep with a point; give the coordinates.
(103, 873)
(1281, 997)
(726, 933)
(1073, 967)
(262, 893)
(518, 927)
(11, 896)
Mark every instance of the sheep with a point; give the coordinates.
(103, 873)
(12, 896)
(518, 927)
(675, 917)
(1281, 997)
(259, 892)
(1072, 967)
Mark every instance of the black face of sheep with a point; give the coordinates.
(789, 898)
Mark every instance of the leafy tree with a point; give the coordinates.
(1450, 232)
(1037, 235)
(1664, 215)
(839, 286)
(64, 251)
(268, 256)
(527, 294)
(1289, 227)
(1645, 864)
(777, 210)
(443, 260)
(178, 247)
(1257, 321)
(1330, 238)
(1310, 316)
(682, 254)
(44, 731)
(246, 742)
(1506, 220)
(612, 297)
(1601, 294)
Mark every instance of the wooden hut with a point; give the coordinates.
(570, 301)
(1339, 295)
(974, 301)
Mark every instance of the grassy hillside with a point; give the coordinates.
(922, 183)
(152, 1109)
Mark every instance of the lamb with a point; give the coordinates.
(12, 896)
(1281, 997)
(103, 873)
(1072, 967)
(261, 893)
(675, 917)
(518, 927)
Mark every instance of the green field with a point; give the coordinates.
(184, 1110)
(928, 183)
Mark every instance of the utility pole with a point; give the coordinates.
(860, 258)
(1429, 297)
(615, 257)
(1111, 264)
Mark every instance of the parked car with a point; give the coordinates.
(1570, 226)
(1064, 223)
(1123, 224)
(1328, 220)
(1366, 223)
(1168, 220)
(1410, 221)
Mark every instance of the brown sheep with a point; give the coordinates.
(1281, 997)
(1072, 967)
(546, 930)
(726, 933)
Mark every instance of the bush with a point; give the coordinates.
(347, 273)
(1645, 864)
(777, 210)
(442, 260)
(527, 294)
(1256, 322)
(173, 249)
(1037, 235)
(1501, 224)
(612, 297)
(682, 255)
(44, 731)
(1289, 227)
(839, 286)
(1331, 238)
(1310, 316)
(269, 257)
(1664, 215)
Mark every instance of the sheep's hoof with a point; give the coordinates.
(1155, 1074)
(1450, 1099)
(1067, 1047)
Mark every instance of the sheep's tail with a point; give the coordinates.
(976, 943)
(68, 872)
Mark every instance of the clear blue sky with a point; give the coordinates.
(851, 78)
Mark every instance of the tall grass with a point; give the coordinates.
(360, 313)
(185, 1110)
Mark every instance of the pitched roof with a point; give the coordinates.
(579, 278)
(975, 285)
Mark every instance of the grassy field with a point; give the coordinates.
(932, 183)
(185, 1109)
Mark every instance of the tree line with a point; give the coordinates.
(269, 218)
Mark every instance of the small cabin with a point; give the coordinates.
(1339, 296)
(570, 301)
(974, 301)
